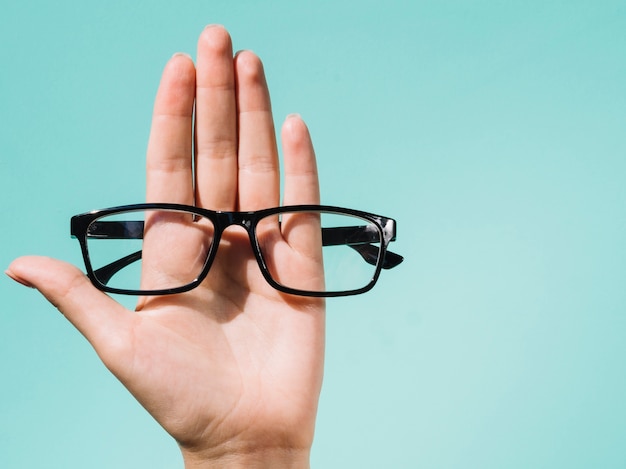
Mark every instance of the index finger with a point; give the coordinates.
(168, 166)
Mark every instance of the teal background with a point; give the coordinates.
(493, 131)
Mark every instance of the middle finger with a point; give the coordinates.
(216, 122)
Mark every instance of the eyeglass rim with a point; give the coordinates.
(79, 225)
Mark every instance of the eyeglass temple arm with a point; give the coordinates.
(356, 237)
(105, 273)
(359, 239)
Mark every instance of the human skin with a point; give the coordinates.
(232, 369)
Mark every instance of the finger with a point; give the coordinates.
(216, 122)
(169, 167)
(301, 179)
(258, 155)
(302, 231)
(103, 321)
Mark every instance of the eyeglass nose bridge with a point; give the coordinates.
(225, 219)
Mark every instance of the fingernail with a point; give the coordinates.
(239, 52)
(213, 25)
(181, 54)
(294, 114)
(12, 276)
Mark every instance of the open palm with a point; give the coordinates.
(232, 369)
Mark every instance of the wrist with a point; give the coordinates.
(275, 458)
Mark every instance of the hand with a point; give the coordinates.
(232, 369)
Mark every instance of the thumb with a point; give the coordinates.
(97, 316)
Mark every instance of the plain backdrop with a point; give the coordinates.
(493, 131)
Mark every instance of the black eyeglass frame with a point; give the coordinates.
(79, 229)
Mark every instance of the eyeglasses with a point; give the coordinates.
(308, 250)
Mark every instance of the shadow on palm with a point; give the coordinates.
(177, 247)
